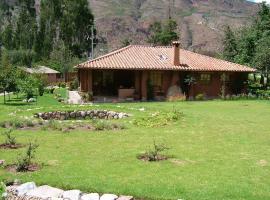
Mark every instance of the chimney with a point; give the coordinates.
(176, 53)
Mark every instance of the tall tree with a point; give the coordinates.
(229, 45)
(163, 34)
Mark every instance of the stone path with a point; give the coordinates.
(74, 97)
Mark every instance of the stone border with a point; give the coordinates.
(29, 191)
(78, 115)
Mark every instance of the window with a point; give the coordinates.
(156, 79)
(205, 78)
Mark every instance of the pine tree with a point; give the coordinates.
(229, 45)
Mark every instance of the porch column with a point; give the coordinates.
(144, 85)
(138, 82)
(90, 81)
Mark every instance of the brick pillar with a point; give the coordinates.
(90, 80)
(144, 85)
(175, 78)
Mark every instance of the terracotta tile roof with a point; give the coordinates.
(40, 70)
(160, 58)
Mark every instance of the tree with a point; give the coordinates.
(7, 76)
(28, 84)
(229, 45)
(62, 57)
(262, 57)
(163, 34)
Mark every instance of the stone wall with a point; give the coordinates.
(78, 115)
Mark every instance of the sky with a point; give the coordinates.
(259, 1)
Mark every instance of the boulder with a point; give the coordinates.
(174, 91)
(72, 194)
(92, 196)
(24, 188)
(108, 197)
(45, 192)
(125, 198)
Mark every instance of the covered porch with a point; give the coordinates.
(142, 85)
(129, 85)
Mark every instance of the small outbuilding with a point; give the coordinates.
(50, 75)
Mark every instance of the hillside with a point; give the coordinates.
(201, 22)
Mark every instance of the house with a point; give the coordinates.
(138, 71)
(50, 75)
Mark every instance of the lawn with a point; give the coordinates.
(220, 150)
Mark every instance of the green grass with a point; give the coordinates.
(220, 149)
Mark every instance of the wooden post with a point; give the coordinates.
(144, 85)
(90, 81)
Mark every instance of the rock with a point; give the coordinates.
(72, 195)
(108, 197)
(83, 114)
(121, 115)
(174, 91)
(125, 198)
(24, 188)
(45, 192)
(92, 196)
(2, 162)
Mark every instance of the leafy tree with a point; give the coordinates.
(28, 84)
(163, 34)
(7, 76)
(62, 57)
(262, 57)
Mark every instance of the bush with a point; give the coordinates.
(10, 140)
(3, 124)
(159, 119)
(154, 153)
(74, 84)
(41, 89)
(25, 161)
(29, 123)
(16, 123)
(2, 190)
(200, 97)
(62, 84)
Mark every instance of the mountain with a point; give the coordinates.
(201, 22)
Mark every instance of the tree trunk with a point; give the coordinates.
(4, 97)
(267, 79)
(254, 77)
(262, 80)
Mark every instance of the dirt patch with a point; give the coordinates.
(146, 158)
(11, 146)
(262, 163)
(31, 168)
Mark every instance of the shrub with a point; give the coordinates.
(10, 140)
(2, 190)
(154, 153)
(62, 84)
(74, 84)
(159, 119)
(29, 123)
(25, 161)
(200, 97)
(3, 124)
(52, 124)
(16, 123)
(41, 89)
(102, 125)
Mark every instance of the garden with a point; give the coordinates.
(160, 150)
